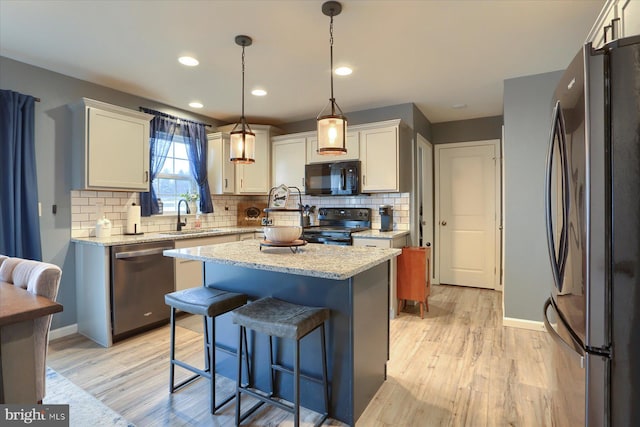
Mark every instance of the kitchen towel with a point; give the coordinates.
(133, 220)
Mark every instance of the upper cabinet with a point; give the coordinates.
(110, 147)
(618, 19)
(379, 157)
(288, 157)
(255, 178)
(353, 149)
(220, 171)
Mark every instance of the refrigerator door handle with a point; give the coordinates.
(547, 200)
(575, 349)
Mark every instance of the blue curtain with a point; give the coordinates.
(19, 221)
(162, 131)
(195, 136)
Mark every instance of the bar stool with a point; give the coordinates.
(209, 303)
(281, 319)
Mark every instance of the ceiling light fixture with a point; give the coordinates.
(188, 61)
(332, 127)
(242, 140)
(196, 104)
(343, 71)
(258, 92)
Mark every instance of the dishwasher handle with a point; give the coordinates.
(141, 253)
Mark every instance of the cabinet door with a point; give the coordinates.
(288, 160)
(379, 157)
(189, 273)
(353, 150)
(117, 151)
(220, 171)
(630, 17)
(255, 178)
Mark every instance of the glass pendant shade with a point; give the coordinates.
(243, 145)
(332, 134)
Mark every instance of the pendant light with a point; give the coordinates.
(332, 124)
(243, 140)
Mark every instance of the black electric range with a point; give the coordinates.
(335, 225)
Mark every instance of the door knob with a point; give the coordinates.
(444, 223)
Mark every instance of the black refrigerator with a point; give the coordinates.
(592, 207)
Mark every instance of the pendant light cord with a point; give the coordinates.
(333, 111)
(242, 117)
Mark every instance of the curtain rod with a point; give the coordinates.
(36, 99)
(169, 116)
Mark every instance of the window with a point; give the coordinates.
(175, 177)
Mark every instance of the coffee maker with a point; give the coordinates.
(386, 217)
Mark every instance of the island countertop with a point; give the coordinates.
(315, 260)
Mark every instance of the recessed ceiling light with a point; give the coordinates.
(188, 61)
(343, 71)
(459, 106)
(195, 104)
(258, 92)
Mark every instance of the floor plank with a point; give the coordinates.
(456, 367)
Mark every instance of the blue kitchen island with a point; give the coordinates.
(353, 282)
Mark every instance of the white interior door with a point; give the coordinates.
(467, 188)
(425, 193)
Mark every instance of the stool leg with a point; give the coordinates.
(212, 362)
(172, 351)
(246, 355)
(325, 382)
(272, 372)
(206, 343)
(239, 373)
(296, 384)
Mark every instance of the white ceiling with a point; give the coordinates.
(432, 53)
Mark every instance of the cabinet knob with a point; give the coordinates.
(444, 223)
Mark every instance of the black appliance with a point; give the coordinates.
(332, 179)
(335, 225)
(386, 217)
(593, 233)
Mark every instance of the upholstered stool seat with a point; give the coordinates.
(281, 319)
(209, 303)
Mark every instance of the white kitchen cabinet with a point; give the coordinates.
(189, 273)
(379, 157)
(288, 158)
(221, 172)
(618, 19)
(353, 149)
(399, 241)
(110, 147)
(255, 178)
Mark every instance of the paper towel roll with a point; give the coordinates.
(133, 220)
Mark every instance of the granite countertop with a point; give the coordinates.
(123, 239)
(316, 260)
(377, 234)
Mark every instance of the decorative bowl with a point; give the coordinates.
(282, 233)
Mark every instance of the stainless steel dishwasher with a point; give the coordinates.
(141, 278)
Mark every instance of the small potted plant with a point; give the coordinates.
(192, 200)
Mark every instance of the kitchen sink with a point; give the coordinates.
(188, 232)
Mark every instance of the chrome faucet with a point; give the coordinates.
(182, 224)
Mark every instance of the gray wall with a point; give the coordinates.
(467, 130)
(53, 158)
(527, 119)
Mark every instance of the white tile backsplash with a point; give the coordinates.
(87, 205)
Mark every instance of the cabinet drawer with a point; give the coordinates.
(372, 243)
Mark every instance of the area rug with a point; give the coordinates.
(84, 409)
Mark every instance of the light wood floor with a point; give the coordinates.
(457, 367)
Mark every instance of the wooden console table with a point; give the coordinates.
(18, 310)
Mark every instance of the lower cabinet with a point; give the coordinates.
(188, 273)
(395, 242)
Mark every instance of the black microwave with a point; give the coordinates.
(332, 179)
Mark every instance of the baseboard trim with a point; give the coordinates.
(523, 324)
(63, 332)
